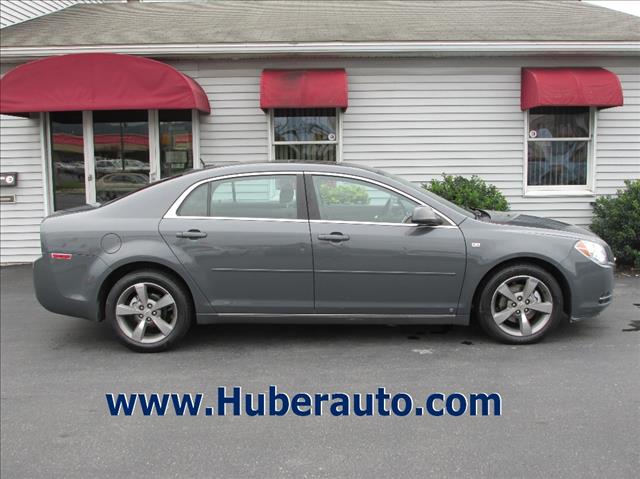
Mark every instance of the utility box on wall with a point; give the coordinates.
(8, 179)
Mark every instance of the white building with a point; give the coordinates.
(540, 98)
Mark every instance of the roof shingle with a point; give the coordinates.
(264, 21)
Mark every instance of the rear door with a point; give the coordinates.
(245, 240)
(369, 258)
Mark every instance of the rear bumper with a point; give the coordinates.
(67, 286)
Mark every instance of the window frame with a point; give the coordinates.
(89, 153)
(308, 196)
(273, 143)
(562, 190)
(301, 198)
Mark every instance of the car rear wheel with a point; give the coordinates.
(149, 311)
(520, 304)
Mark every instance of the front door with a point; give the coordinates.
(368, 259)
(246, 242)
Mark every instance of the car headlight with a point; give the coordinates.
(593, 251)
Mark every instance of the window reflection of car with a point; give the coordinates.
(122, 181)
(112, 165)
(75, 168)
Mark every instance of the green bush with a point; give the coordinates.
(468, 192)
(343, 194)
(617, 221)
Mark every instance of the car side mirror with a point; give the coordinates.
(424, 215)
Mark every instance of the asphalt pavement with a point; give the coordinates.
(570, 404)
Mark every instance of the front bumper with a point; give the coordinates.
(591, 288)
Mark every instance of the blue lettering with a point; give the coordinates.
(430, 407)
(223, 400)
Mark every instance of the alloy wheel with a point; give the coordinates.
(522, 305)
(146, 312)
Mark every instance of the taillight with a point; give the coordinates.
(63, 256)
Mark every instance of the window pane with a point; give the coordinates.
(121, 144)
(176, 146)
(67, 157)
(352, 200)
(558, 162)
(302, 124)
(306, 152)
(559, 122)
(196, 203)
(255, 197)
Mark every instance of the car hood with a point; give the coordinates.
(530, 221)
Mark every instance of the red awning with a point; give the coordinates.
(303, 89)
(569, 87)
(98, 81)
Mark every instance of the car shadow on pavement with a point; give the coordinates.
(86, 336)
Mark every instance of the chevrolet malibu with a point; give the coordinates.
(308, 242)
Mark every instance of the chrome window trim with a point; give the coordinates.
(240, 218)
(376, 223)
(173, 210)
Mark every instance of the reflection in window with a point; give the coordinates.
(346, 199)
(249, 197)
(305, 134)
(121, 146)
(67, 157)
(558, 146)
(176, 142)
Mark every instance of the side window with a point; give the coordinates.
(196, 203)
(244, 197)
(346, 199)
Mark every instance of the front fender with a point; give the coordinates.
(488, 247)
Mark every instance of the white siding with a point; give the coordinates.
(20, 222)
(16, 11)
(416, 118)
(419, 118)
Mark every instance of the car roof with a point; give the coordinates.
(258, 166)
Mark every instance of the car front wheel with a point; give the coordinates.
(520, 304)
(149, 311)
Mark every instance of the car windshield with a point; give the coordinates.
(453, 206)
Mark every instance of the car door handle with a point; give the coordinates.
(191, 234)
(334, 237)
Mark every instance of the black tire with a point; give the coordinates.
(546, 324)
(181, 316)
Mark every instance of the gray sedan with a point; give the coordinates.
(306, 242)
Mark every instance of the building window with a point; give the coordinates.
(306, 134)
(67, 160)
(559, 148)
(176, 142)
(102, 155)
(121, 151)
